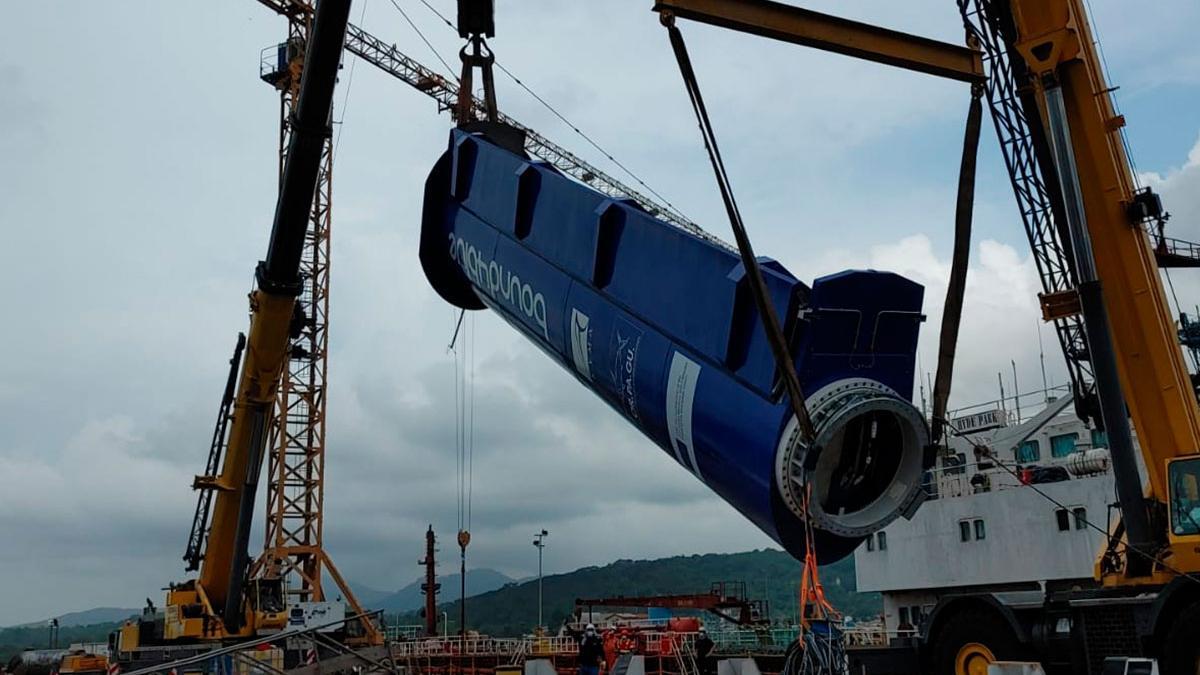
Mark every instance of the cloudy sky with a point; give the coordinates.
(137, 155)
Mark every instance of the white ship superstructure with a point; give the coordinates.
(984, 514)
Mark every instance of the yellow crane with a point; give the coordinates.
(224, 602)
(1088, 223)
(220, 604)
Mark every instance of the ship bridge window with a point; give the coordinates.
(1081, 521)
(975, 527)
(1063, 518)
(1029, 451)
(1184, 482)
(881, 538)
(1099, 438)
(1063, 444)
(955, 464)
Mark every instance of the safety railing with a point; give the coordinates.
(1029, 403)
(273, 62)
(968, 479)
(651, 643)
(867, 636)
(942, 485)
(636, 624)
(405, 632)
(757, 641)
(547, 645)
(1171, 247)
(484, 646)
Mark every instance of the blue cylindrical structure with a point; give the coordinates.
(661, 325)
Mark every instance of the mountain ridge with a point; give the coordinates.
(84, 617)
(410, 598)
(511, 609)
(769, 574)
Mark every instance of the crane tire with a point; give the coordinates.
(1181, 650)
(972, 638)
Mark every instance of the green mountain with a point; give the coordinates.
(89, 625)
(410, 598)
(16, 639)
(367, 595)
(92, 616)
(512, 610)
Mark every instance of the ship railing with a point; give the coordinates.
(404, 632)
(737, 641)
(642, 624)
(667, 642)
(662, 642)
(942, 485)
(869, 636)
(966, 479)
(658, 643)
(547, 645)
(683, 651)
(988, 476)
(455, 646)
(616, 622)
(1015, 409)
(518, 657)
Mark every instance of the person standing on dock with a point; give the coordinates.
(704, 649)
(591, 652)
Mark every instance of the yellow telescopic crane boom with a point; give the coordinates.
(273, 315)
(1105, 213)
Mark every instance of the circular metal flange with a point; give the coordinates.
(833, 408)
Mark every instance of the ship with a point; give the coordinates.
(1022, 501)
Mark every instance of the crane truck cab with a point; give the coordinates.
(1183, 480)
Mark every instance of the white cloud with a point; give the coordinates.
(1000, 311)
(1177, 183)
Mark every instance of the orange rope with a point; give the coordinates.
(811, 590)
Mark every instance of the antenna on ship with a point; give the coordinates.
(1003, 399)
(924, 403)
(1016, 390)
(1042, 359)
(921, 374)
(928, 382)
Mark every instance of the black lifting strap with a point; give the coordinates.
(758, 287)
(952, 310)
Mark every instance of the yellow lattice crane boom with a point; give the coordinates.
(220, 604)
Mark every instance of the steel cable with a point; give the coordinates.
(554, 111)
(758, 287)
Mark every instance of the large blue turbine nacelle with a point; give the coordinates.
(660, 323)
